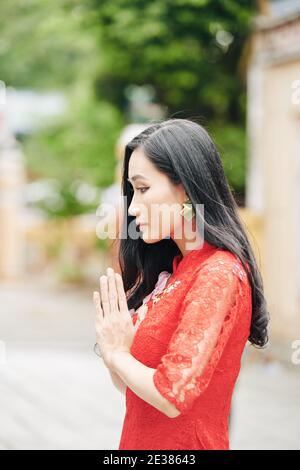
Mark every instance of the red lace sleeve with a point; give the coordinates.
(205, 323)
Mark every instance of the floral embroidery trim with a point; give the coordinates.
(155, 295)
(168, 289)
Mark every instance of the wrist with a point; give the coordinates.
(116, 357)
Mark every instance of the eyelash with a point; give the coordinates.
(139, 189)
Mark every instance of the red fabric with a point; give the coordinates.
(193, 333)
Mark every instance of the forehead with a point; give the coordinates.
(140, 165)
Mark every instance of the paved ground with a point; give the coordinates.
(55, 398)
(57, 394)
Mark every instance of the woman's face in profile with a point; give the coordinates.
(156, 200)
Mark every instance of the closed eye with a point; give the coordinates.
(141, 189)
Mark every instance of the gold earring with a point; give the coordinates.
(187, 210)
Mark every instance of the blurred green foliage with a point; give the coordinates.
(44, 44)
(189, 50)
(79, 145)
(92, 51)
(231, 143)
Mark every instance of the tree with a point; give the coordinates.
(187, 49)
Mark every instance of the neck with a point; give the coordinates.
(190, 238)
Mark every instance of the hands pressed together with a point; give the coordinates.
(114, 327)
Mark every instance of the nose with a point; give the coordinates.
(132, 209)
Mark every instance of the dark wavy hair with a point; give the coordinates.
(185, 152)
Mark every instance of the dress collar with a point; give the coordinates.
(180, 260)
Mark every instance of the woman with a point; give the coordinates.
(173, 327)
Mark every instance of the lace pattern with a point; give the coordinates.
(206, 319)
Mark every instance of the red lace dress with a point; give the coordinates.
(193, 331)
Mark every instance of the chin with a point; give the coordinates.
(145, 235)
(150, 241)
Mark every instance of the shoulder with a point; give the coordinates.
(220, 279)
(222, 263)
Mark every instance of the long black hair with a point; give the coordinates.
(185, 152)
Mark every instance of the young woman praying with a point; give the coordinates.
(173, 325)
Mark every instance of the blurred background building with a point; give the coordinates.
(273, 177)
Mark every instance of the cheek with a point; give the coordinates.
(161, 198)
(162, 209)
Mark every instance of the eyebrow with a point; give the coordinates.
(135, 177)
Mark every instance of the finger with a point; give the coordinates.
(104, 295)
(99, 330)
(121, 293)
(112, 291)
(99, 312)
(97, 303)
